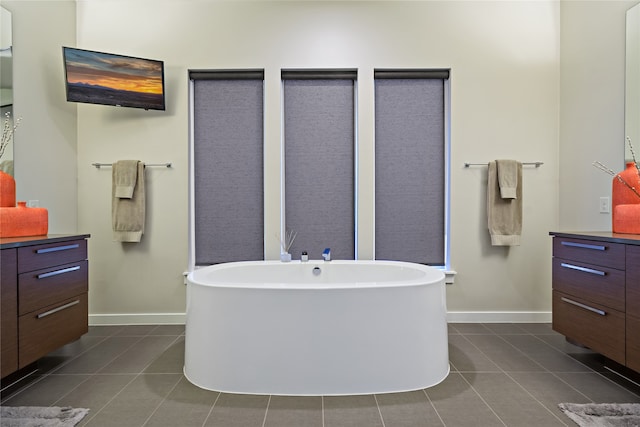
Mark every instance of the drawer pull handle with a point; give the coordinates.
(583, 269)
(57, 309)
(586, 307)
(55, 273)
(57, 248)
(584, 246)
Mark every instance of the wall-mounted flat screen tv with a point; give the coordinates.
(110, 79)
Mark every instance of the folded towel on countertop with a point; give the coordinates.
(504, 214)
(128, 213)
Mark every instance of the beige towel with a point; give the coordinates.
(125, 173)
(128, 211)
(504, 215)
(508, 177)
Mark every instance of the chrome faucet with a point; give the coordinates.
(326, 254)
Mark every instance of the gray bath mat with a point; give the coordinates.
(32, 416)
(603, 414)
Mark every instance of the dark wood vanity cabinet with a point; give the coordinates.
(596, 293)
(8, 312)
(44, 296)
(633, 307)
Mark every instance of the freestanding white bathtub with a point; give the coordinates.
(351, 327)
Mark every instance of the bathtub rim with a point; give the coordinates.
(431, 275)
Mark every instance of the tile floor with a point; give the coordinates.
(501, 375)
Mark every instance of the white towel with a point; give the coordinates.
(128, 213)
(504, 214)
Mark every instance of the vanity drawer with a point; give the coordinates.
(601, 285)
(51, 327)
(47, 255)
(595, 326)
(40, 288)
(590, 251)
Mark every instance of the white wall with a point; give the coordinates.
(505, 59)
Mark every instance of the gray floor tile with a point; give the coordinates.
(505, 328)
(457, 404)
(502, 374)
(103, 331)
(238, 410)
(135, 330)
(140, 355)
(134, 404)
(293, 411)
(549, 357)
(95, 392)
(503, 354)
(98, 356)
(470, 328)
(64, 355)
(514, 405)
(168, 330)
(352, 411)
(464, 356)
(169, 361)
(46, 391)
(186, 406)
(549, 390)
(538, 328)
(560, 342)
(411, 409)
(77, 347)
(598, 388)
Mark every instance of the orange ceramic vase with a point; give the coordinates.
(19, 221)
(626, 201)
(22, 221)
(7, 190)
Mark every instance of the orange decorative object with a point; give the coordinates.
(7, 190)
(626, 219)
(625, 197)
(22, 221)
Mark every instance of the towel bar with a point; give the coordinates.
(99, 165)
(536, 164)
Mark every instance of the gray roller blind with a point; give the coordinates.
(410, 169)
(228, 171)
(319, 164)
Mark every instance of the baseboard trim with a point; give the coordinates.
(137, 319)
(452, 317)
(499, 317)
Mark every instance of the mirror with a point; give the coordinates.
(632, 83)
(6, 85)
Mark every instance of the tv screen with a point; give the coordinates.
(110, 79)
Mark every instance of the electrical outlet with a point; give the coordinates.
(604, 205)
(33, 203)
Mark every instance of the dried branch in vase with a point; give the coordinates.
(633, 156)
(7, 132)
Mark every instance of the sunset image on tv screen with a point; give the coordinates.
(104, 78)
